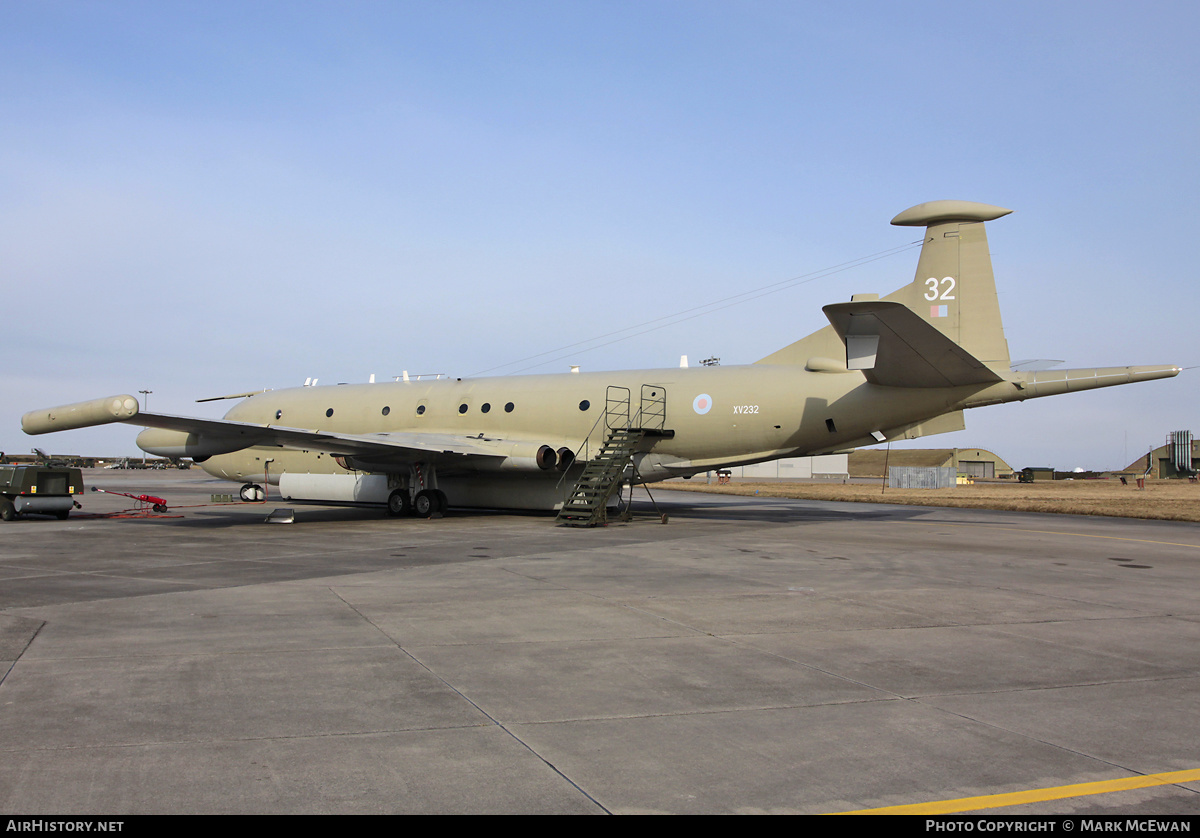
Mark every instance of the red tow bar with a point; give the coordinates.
(157, 504)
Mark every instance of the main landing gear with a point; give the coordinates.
(427, 503)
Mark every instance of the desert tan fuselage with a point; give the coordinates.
(750, 413)
(717, 417)
(898, 367)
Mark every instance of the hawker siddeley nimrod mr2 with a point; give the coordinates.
(900, 367)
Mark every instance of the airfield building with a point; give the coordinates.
(824, 467)
(869, 462)
(1179, 457)
(976, 463)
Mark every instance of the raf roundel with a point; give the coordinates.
(702, 403)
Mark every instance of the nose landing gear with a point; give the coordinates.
(252, 493)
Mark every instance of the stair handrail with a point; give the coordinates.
(630, 423)
(583, 445)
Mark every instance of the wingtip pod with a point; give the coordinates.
(942, 212)
(68, 417)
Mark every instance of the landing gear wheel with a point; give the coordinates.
(399, 503)
(443, 503)
(8, 512)
(252, 493)
(426, 505)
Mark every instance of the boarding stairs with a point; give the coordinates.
(614, 465)
(587, 505)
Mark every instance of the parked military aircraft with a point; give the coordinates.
(900, 367)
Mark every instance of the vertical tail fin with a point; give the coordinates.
(954, 288)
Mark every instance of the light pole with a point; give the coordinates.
(145, 393)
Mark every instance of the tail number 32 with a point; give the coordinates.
(945, 287)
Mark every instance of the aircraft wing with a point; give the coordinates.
(219, 436)
(403, 445)
(895, 347)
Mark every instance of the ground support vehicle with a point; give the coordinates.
(38, 489)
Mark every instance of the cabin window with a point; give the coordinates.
(462, 408)
(585, 404)
(386, 410)
(420, 410)
(279, 414)
(508, 408)
(485, 407)
(329, 412)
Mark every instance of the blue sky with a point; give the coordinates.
(207, 198)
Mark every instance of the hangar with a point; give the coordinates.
(973, 462)
(824, 467)
(870, 462)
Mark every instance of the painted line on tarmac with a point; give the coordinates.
(995, 801)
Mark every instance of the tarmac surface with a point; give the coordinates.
(753, 655)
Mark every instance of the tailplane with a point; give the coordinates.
(895, 347)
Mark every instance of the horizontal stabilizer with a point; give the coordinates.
(1035, 364)
(895, 347)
